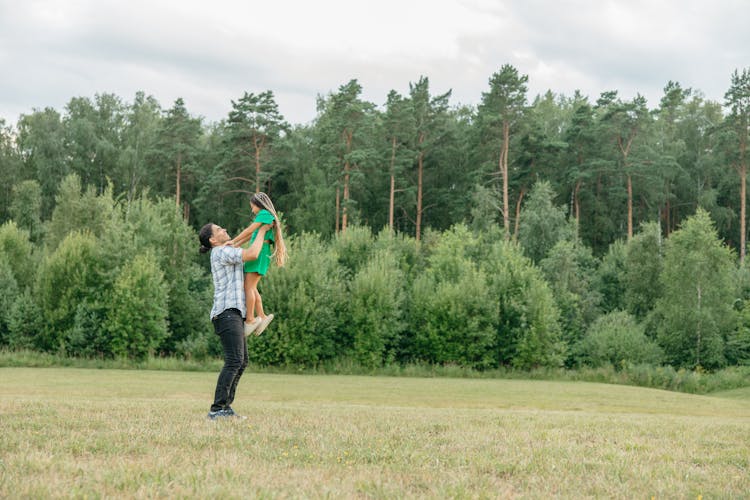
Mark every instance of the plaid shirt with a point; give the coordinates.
(228, 275)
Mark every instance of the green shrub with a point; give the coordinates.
(738, 341)
(609, 278)
(527, 328)
(26, 324)
(136, 318)
(8, 294)
(452, 314)
(643, 266)
(26, 207)
(375, 312)
(404, 250)
(452, 321)
(308, 298)
(568, 268)
(79, 209)
(617, 339)
(700, 286)
(353, 247)
(199, 347)
(542, 224)
(69, 276)
(19, 253)
(88, 337)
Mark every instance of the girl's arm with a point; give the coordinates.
(245, 235)
(254, 250)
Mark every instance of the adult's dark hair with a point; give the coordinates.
(204, 235)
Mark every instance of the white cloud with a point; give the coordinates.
(209, 53)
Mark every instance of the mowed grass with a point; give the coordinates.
(111, 433)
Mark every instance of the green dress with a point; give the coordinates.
(260, 265)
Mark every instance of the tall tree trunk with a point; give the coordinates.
(420, 168)
(346, 196)
(743, 207)
(338, 207)
(504, 173)
(258, 150)
(347, 169)
(179, 176)
(393, 184)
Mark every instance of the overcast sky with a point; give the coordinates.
(209, 52)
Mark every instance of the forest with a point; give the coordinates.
(524, 231)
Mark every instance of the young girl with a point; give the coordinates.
(265, 213)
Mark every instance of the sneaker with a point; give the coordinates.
(213, 415)
(263, 324)
(230, 413)
(250, 327)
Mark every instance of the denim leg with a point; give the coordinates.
(243, 365)
(228, 326)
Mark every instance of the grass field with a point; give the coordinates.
(124, 433)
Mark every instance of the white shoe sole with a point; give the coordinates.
(263, 324)
(251, 327)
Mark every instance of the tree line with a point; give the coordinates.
(511, 233)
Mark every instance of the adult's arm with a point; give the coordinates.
(253, 251)
(245, 235)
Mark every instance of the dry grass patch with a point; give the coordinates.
(110, 433)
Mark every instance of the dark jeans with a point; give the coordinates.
(228, 326)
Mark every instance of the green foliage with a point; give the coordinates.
(26, 323)
(11, 168)
(485, 208)
(738, 341)
(617, 339)
(528, 331)
(77, 209)
(609, 278)
(452, 313)
(353, 247)
(89, 336)
(159, 227)
(66, 278)
(542, 224)
(376, 299)
(696, 311)
(403, 248)
(100, 166)
(26, 207)
(505, 99)
(41, 140)
(20, 254)
(308, 298)
(453, 320)
(643, 266)
(136, 317)
(176, 149)
(8, 293)
(569, 268)
(254, 126)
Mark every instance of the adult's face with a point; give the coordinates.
(219, 236)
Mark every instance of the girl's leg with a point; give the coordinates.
(250, 297)
(259, 303)
(266, 319)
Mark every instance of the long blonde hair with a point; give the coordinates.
(279, 253)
